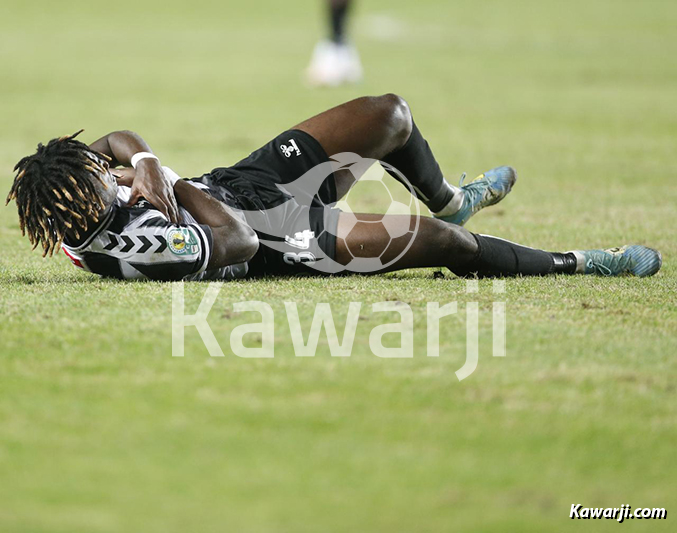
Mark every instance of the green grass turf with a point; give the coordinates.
(101, 430)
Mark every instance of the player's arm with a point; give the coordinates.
(234, 241)
(150, 183)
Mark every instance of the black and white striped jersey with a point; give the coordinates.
(140, 243)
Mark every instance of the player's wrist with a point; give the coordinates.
(143, 158)
(171, 176)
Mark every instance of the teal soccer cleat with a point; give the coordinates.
(635, 259)
(485, 190)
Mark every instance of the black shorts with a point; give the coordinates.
(296, 224)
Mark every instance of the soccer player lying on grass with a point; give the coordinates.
(143, 222)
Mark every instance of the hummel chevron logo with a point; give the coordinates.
(146, 244)
(129, 244)
(126, 243)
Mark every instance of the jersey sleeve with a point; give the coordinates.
(148, 246)
(166, 252)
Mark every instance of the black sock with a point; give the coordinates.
(416, 162)
(338, 12)
(498, 257)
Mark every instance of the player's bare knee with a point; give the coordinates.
(396, 114)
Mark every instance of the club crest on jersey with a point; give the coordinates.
(291, 149)
(182, 241)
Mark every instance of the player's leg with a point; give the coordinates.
(437, 243)
(370, 126)
(377, 127)
(434, 244)
(382, 128)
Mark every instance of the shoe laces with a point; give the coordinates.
(474, 191)
(618, 263)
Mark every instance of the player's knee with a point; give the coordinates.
(397, 115)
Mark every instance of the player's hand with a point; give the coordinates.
(124, 176)
(150, 183)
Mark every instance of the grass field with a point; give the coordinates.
(101, 430)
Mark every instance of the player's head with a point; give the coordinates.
(62, 189)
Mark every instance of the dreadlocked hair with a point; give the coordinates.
(54, 191)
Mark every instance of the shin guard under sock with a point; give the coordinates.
(416, 162)
(498, 257)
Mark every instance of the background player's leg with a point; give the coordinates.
(335, 61)
(437, 243)
(338, 10)
(381, 127)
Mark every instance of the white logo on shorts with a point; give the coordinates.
(295, 259)
(292, 148)
(301, 239)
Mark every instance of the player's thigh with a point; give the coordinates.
(371, 126)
